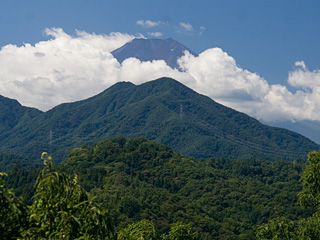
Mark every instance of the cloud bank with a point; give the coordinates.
(62, 69)
(68, 68)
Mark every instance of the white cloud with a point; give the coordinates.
(202, 29)
(302, 77)
(148, 23)
(217, 75)
(155, 34)
(281, 104)
(186, 26)
(300, 64)
(106, 42)
(67, 68)
(59, 70)
(138, 72)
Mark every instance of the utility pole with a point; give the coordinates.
(181, 111)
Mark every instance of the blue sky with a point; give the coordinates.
(268, 48)
(266, 37)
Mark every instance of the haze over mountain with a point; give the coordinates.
(163, 110)
(168, 50)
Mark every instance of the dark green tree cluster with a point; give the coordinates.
(305, 228)
(62, 209)
(151, 192)
(13, 212)
(140, 179)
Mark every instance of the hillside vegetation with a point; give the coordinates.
(136, 179)
(163, 110)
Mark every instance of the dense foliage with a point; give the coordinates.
(305, 228)
(139, 179)
(61, 210)
(13, 213)
(12, 114)
(151, 191)
(163, 110)
(9, 161)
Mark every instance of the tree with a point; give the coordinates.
(309, 197)
(63, 210)
(180, 231)
(278, 229)
(142, 230)
(13, 213)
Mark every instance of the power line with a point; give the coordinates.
(234, 139)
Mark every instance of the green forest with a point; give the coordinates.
(134, 188)
(162, 110)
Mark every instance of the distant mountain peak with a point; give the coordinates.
(143, 49)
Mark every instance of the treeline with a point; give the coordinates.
(142, 182)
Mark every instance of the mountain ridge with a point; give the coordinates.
(163, 110)
(147, 50)
(12, 113)
(308, 128)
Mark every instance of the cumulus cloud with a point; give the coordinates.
(304, 78)
(186, 26)
(61, 69)
(68, 68)
(217, 75)
(138, 72)
(281, 104)
(106, 42)
(148, 23)
(155, 34)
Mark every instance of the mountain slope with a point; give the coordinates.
(310, 129)
(168, 50)
(163, 110)
(12, 113)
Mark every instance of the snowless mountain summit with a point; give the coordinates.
(168, 50)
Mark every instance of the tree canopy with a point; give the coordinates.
(305, 228)
(61, 210)
(148, 190)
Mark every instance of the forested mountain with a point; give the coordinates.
(310, 129)
(135, 179)
(168, 50)
(12, 113)
(163, 110)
